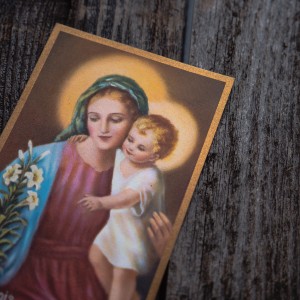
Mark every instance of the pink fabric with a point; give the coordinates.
(57, 266)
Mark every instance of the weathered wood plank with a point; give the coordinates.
(156, 26)
(241, 236)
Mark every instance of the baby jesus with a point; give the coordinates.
(122, 249)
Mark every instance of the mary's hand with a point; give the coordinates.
(159, 231)
(77, 138)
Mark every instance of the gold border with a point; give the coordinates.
(204, 151)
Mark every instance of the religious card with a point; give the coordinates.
(99, 163)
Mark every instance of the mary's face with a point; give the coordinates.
(108, 122)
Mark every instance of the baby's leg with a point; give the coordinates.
(102, 267)
(123, 284)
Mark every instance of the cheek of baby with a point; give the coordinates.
(125, 145)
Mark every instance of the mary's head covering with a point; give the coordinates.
(79, 121)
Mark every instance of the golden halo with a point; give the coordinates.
(155, 88)
(187, 128)
(87, 73)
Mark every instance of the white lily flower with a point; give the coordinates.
(21, 155)
(12, 174)
(32, 200)
(35, 177)
(30, 147)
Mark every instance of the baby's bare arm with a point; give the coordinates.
(91, 202)
(126, 198)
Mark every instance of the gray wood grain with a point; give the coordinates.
(24, 30)
(156, 26)
(241, 236)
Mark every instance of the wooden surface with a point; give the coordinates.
(241, 235)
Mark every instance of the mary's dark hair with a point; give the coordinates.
(122, 83)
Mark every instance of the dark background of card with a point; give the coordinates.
(241, 236)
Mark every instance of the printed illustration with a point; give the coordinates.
(109, 144)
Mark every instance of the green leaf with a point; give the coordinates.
(22, 185)
(3, 192)
(22, 163)
(6, 241)
(18, 193)
(8, 247)
(10, 208)
(16, 234)
(2, 255)
(4, 232)
(35, 161)
(16, 220)
(2, 218)
(12, 188)
(13, 214)
(11, 231)
(24, 179)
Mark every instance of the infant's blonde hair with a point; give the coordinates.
(165, 133)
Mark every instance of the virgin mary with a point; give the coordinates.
(47, 257)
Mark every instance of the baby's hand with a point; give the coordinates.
(78, 138)
(91, 202)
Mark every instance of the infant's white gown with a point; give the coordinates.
(124, 240)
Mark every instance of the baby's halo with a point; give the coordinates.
(188, 132)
